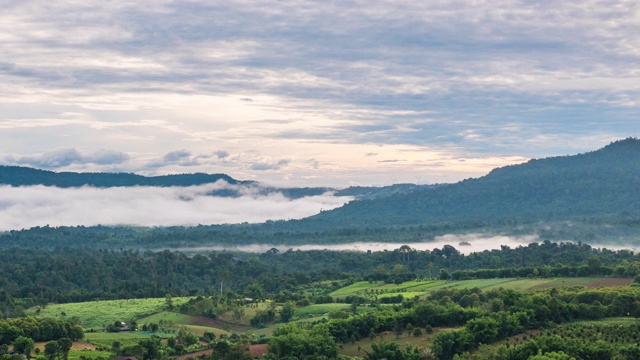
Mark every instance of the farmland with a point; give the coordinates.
(394, 308)
(419, 288)
(97, 314)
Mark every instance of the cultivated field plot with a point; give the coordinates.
(97, 314)
(421, 287)
(196, 324)
(106, 340)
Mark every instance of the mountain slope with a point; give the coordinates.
(602, 182)
(24, 176)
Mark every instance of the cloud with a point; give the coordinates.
(269, 166)
(221, 154)
(65, 157)
(176, 156)
(25, 207)
(465, 79)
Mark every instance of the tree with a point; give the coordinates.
(169, 301)
(430, 268)
(405, 250)
(292, 341)
(51, 350)
(64, 346)
(385, 350)
(254, 291)
(23, 345)
(443, 275)
(287, 311)
(185, 337)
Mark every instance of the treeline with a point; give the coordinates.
(615, 229)
(592, 268)
(38, 329)
(31, 277)
(24, 176)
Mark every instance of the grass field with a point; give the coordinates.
(96, 314)
(105, 339)
(421, 287)
(319, 309)
(356, 288)
(166, 316)
(195, 324)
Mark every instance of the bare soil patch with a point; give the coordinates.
(81, 345)
(258, 349)
(196, 354)
(610, 282)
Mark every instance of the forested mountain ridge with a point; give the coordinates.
(590, 197)
(25, 176)
(599, 183)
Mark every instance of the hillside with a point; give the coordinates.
(599, 183)
(24, 176)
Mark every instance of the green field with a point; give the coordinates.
(411, 289)
(167, 317)
(356, 288)
(319, 309)
(89, 354)
(97, 314)
(175, 320)
(105, 339)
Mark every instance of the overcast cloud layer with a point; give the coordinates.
(26, 207)
(309, 93)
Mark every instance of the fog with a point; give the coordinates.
(477, 243)
(30, 206)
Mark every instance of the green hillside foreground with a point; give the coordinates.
(433, 310)
(96, 314)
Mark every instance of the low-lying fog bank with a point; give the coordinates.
(476, 243)
(30, 206)
(465, 244)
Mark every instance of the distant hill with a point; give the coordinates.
(592, 197)
(24, 176)
(599, 183)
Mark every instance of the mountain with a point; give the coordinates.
(591, 197)
(605, 182)
(24, 176)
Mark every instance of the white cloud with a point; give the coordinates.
(25, 207)
(64, 157)
(276, 84)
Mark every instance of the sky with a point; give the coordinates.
(314, 93)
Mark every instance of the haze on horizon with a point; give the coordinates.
(305, 93)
